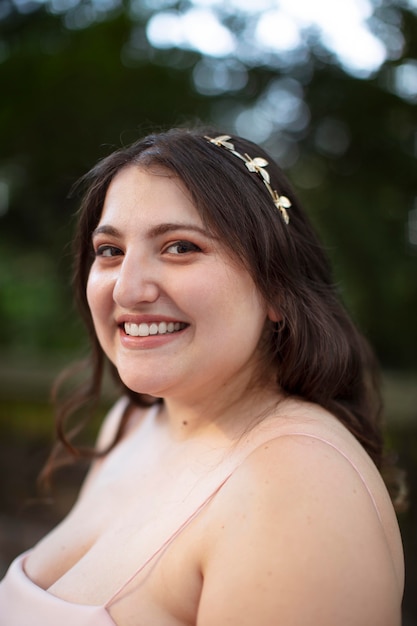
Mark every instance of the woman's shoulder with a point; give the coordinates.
(309, 520)
(111, 423)
(313, 453)
(310, 445)
(298, 421)
(301, 476)
(108, 432)
(322, 460)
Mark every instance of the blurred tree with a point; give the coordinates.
(80, 77)
(68, 101)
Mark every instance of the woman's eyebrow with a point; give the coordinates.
(105, 229)
(162, 229)
(154, 231)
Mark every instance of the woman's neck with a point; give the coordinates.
(228, 414)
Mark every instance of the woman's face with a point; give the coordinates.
(172, 310)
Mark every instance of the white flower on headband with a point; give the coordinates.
(255, 165)
(222, 141)
(282, 203)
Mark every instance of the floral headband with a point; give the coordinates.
(255, 165)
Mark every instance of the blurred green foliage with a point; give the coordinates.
(70, 96)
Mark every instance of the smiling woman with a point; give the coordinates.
(151, 247)
(240, 468)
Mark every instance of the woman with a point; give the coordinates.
(236, 480)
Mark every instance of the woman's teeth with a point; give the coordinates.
(144, 330)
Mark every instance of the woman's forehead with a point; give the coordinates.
(148, 194)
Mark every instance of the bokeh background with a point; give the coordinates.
(328, 87)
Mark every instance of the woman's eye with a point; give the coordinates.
(182, 247)
(108, 251)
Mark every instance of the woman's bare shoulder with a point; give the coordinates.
(316, 466)
(111, 423)
(106, 435)
(299, 536)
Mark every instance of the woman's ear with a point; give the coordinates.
(273, 314)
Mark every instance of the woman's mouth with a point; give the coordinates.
(154, 328)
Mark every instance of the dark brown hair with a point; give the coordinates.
(318, 353)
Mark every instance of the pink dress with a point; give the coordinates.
(23, 603)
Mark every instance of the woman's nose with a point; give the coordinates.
(136, 283)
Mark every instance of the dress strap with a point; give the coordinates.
(179, 530)
(348, 459)
(168, 541)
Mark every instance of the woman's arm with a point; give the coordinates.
(299, 543)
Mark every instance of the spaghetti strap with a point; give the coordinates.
(201, 506)
(348, 459)
(167, 542)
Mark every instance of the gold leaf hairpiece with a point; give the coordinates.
(255, 165)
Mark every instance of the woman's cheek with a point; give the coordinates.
(96, 289)
(90, 291)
